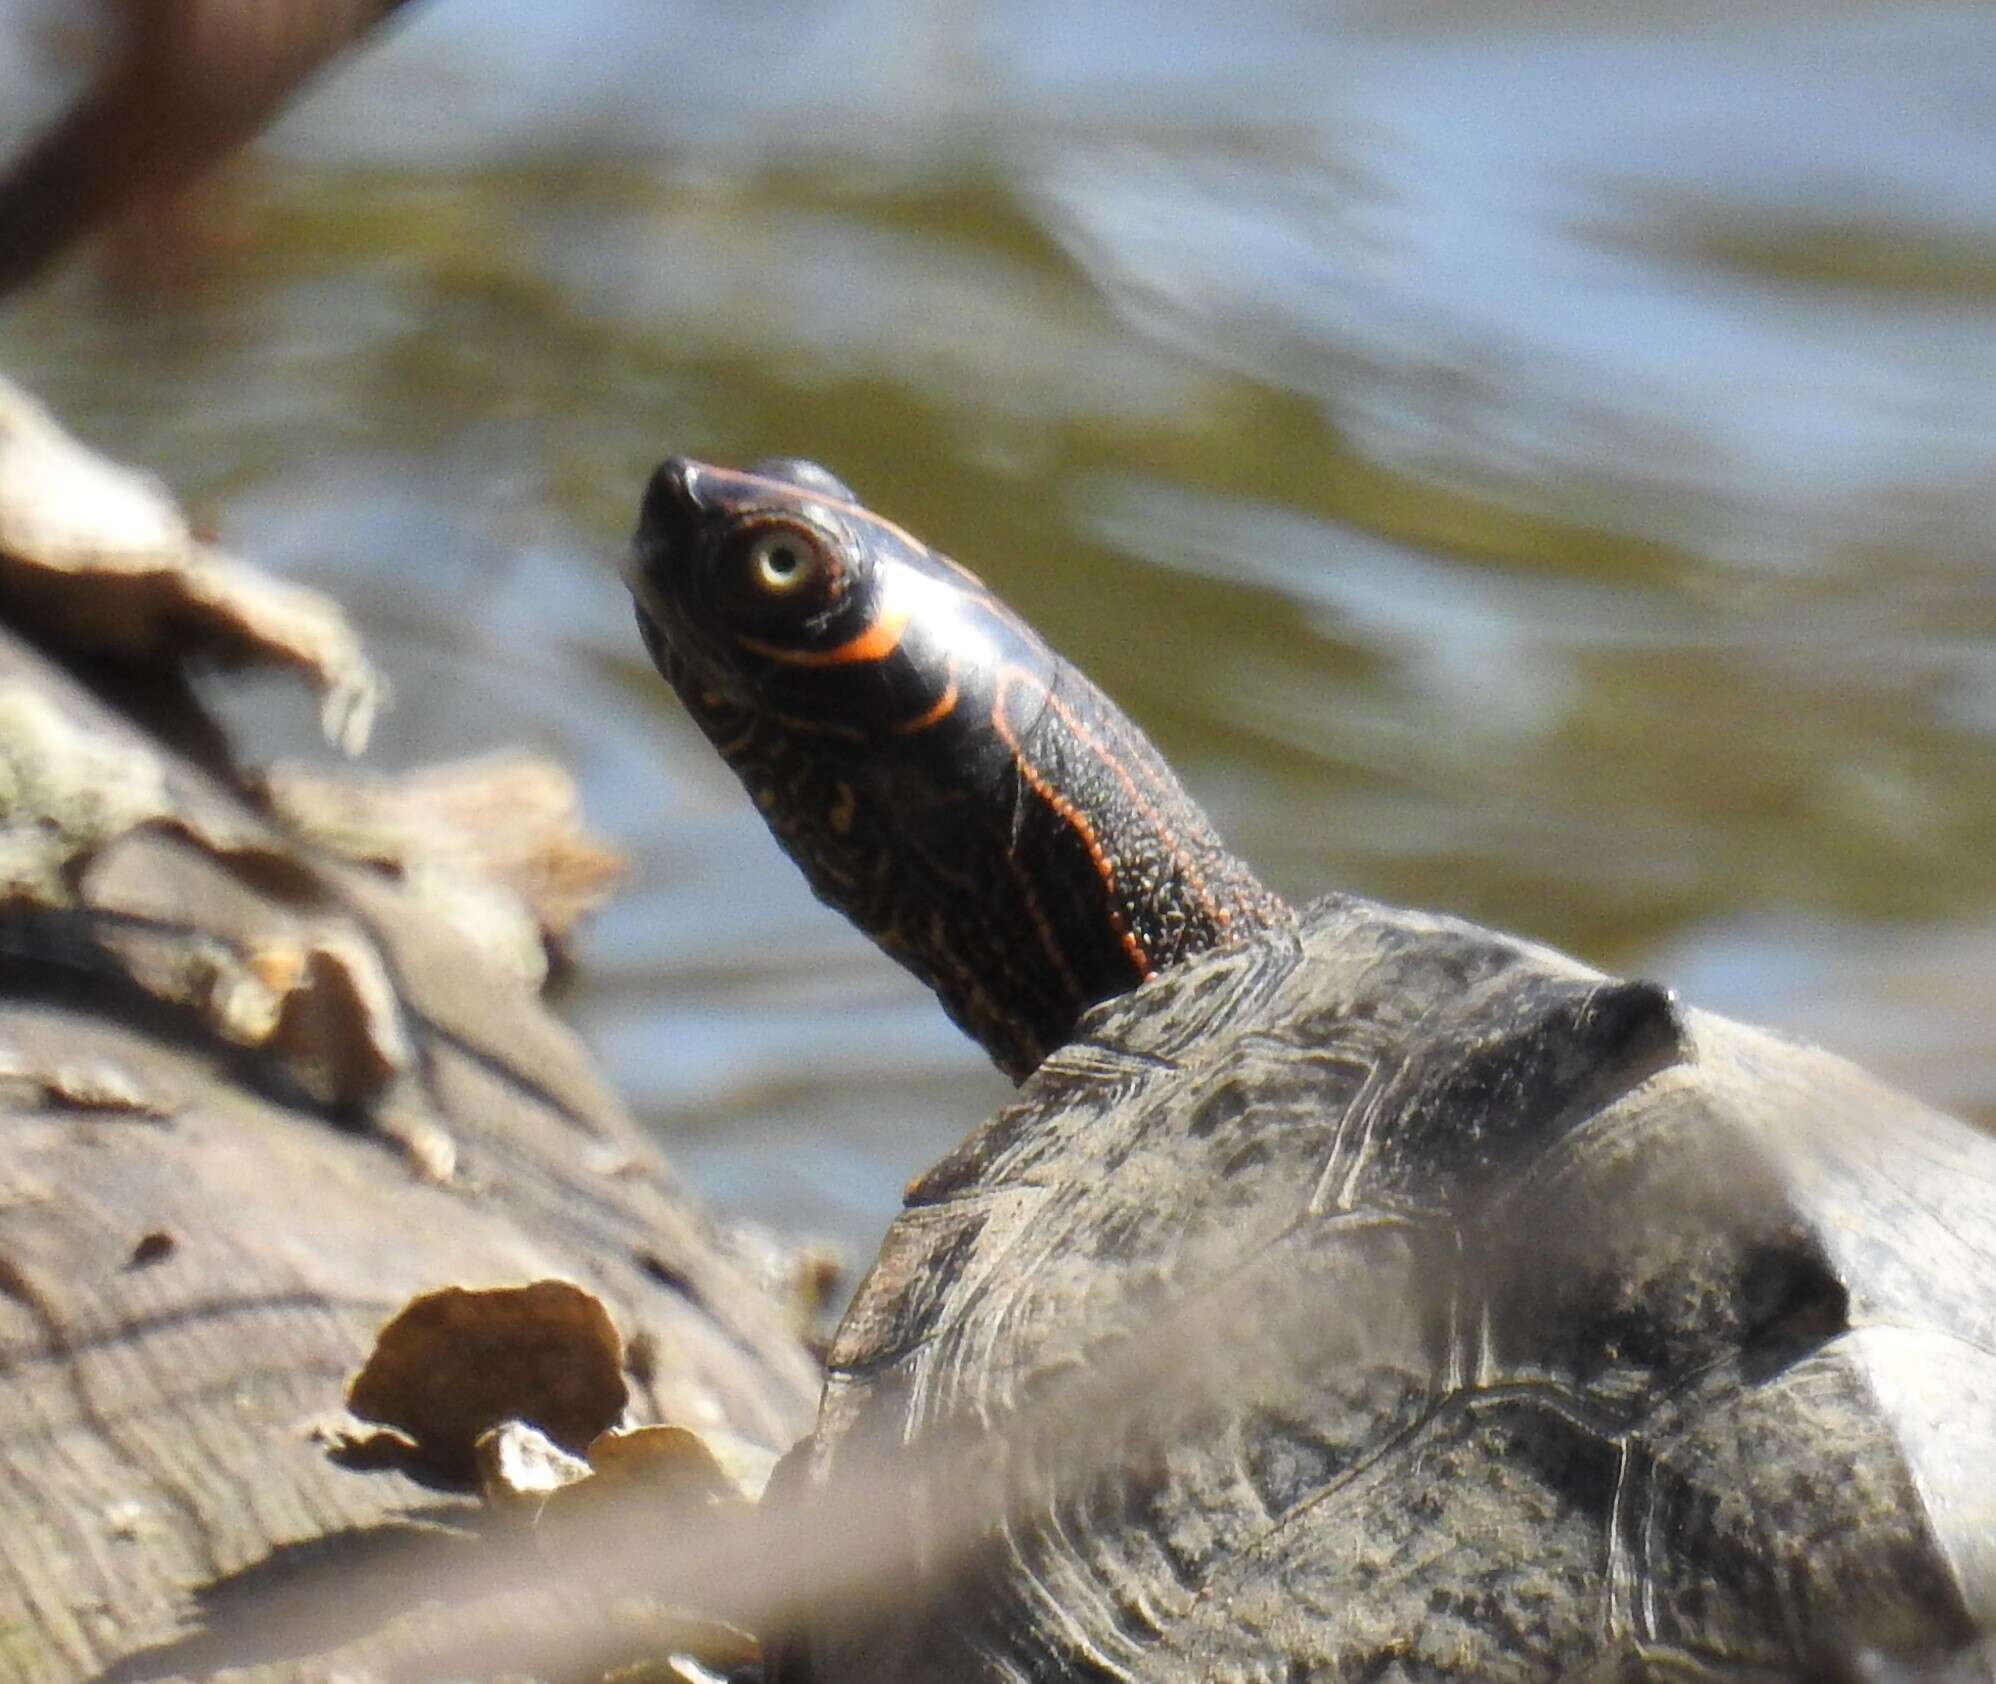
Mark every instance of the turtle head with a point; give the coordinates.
(961, 793)
(741, 577)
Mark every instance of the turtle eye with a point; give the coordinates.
(782, 564)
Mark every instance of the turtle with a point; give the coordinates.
(1351, 1292)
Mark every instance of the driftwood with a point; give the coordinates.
(259, 1084)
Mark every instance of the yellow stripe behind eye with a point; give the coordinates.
(876, 643)
(1075, 819)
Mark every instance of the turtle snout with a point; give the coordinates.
(669, 523)
(670, 513)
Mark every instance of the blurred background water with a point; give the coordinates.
(1537, 461)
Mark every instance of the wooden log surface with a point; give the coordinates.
(256, 1090)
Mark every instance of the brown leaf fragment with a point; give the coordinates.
(338, 1027)
(711, 1463)
(97, 558)
(459, 1361)
(673, 1461)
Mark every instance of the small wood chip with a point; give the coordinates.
(520, 1465)
(155, 1247)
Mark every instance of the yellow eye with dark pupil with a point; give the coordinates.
(780, 562)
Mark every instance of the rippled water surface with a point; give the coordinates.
(1537, 461)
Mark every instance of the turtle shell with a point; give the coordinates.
(1393, 1299)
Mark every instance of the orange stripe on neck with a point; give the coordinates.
(943, 706)
(1194, 878)
(1077, 821)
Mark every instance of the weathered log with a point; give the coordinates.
(254, 1094)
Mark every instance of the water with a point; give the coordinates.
(1537, 462)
